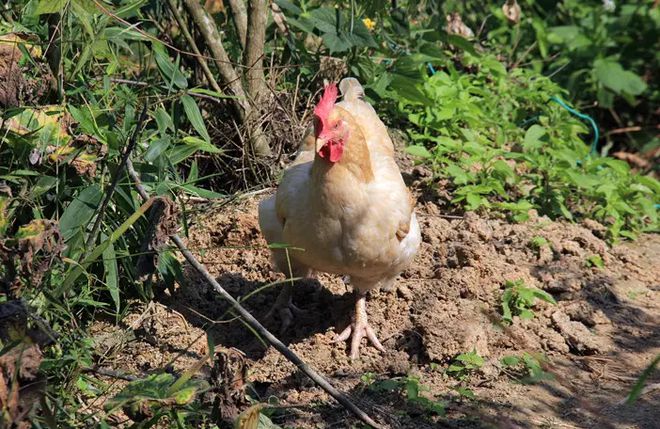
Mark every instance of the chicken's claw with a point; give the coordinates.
(358, 329)
(286, 309)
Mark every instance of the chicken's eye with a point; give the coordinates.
(335, 126)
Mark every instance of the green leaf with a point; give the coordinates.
(464, 391)
(164, 120)
(533, 137)
(79, 212)
(201, 144)
(111, 273)
(195, 116)
(639, 385)
(49, 6)
(461, 177)
(612, 75)
(563, 34)
(419, 151)
(77, 270)
(412, 388)
(181, 152)
(595, 261)
(156, 149)
(510, 361)
(170, 71)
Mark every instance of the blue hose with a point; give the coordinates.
(594, 142)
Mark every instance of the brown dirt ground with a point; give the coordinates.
(598, 338)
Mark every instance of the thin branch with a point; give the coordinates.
(111, 373)
(212, 38)
(91, 238)
(239, 15)
(342, 398)
(198, 55)
(279, 19)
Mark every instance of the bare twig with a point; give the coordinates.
(91, 238)
(254, 324)
(111, 373)
(227, 72)
(279, 19)
(624, 130)
(239, 15)
(191, 41)
(230, 78)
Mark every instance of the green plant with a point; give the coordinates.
(537, 242)
(465, 364)
(518, 299)
(410, 386)
(636, 391)
(595, 261)
(155, 396)
(527, 369)
(471, 128)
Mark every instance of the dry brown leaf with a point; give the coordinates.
(455, 25)
(511, 11)
(214, 6)
(632, 158)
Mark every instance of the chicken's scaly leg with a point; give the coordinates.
(285, 307)
(360, 328)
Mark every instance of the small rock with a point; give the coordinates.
(595, 227)
(571, 247)
(576, 335)
(475, 339)
(404, 292)
(545, 255)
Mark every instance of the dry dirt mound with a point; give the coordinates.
(598, 338)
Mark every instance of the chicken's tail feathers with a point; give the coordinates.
(350, 89)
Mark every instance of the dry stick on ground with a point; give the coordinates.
(254, 323)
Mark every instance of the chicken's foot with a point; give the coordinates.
(360, 328)
(285, 307)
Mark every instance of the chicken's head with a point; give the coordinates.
(330, 130)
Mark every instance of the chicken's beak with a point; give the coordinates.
(320, 143)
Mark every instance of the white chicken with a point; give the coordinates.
(342, 207)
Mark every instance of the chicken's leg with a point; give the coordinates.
(359, 327)
(285, 307)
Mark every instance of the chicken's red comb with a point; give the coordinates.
(327, 101)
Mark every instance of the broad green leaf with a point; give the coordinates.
(181, 152)
(50, 6)
(156, 149)
(533, 137)
(419, 151)
(164, 120)
(170, 71)
(510, 361)
(195, 116)
(79, 212)
(613, 76)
